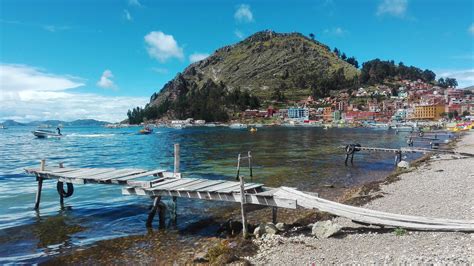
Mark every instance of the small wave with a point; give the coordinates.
(90, 135)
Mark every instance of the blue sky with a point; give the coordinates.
(95, 59)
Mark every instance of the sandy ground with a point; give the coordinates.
(443, 187)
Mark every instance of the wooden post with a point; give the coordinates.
(250, 165)
(238, 167)
(151, 215)
(162, 213)
(175, 211)
(242, 206)
(274, 215)
(61, 198)
(40, 185)
(176, 158)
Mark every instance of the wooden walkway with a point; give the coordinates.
(159, 183)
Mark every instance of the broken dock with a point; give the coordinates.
(158, 184)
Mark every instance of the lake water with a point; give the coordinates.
(305, 158)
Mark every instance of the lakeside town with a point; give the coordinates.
(410, 103)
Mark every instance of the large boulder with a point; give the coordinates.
(325, 229)
(268, 229)
(403, 164)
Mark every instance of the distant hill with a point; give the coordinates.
(10, 123)
(54, 123)
(470, 88)
(264, 66)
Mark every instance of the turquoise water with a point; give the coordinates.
(306, 158)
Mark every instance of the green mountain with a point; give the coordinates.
(264, 66)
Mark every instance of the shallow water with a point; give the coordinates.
(306, 158)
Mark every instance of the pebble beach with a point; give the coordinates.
(441, 187)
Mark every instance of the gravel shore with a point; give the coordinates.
(442, 187)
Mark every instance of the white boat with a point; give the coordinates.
(238, 126)
(178, 126)
(2, 126)
(41, 133)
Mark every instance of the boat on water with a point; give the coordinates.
(238, 126)
(2, 126)
(146, 131)
(42, 134)
(253, 130)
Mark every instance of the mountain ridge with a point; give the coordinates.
(253, 70)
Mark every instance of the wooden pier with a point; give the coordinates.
(351, 149)
(158, 184)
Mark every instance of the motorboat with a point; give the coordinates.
(238, 126)
(2, 126)
(41, 133)
(145, 131)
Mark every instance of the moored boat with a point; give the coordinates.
(238, 126)
(145, 131)
(41, 133)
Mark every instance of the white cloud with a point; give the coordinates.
(160, 70)
(135, 3)
(337, 31)
(162, 46)
(464, 77)
(239, 34)
(468, 56)
(28, 93)
(243, 14)
(471, 29)
(106, 81)
(197, 57)
(53, 28)
(395, 8)
(20, 78)
(127, 15)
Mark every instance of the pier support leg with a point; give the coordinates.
(274, 215)
(151, 215)
(352, 158)
(398, 157)
(242, 206)
(162, 213)
(347, 158)
(249, 155)
(176, 158)
(61, 197)
(175, 211)
(40, 185)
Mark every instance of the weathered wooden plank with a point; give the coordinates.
(236, 188)
(172, 175)
(117, 174)
(376, 217)
(214, 196)
(229, 189)
(84, 173)
(202, 186)
(145, 183)
(53, 170)
(216, 188)
(189, 185)
(147, 173)
(177, 182)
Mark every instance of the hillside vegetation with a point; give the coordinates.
(261, 69)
